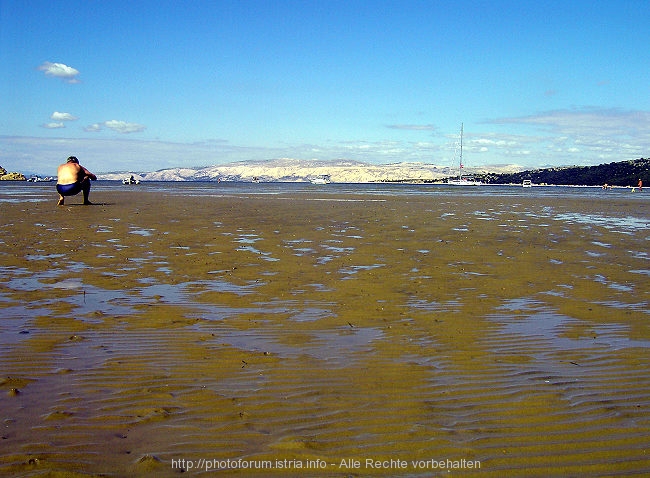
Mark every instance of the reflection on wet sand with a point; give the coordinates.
(506, 330)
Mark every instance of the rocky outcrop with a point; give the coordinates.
(5, 176)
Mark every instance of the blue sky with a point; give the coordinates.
(146, 85)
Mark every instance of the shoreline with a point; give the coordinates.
(406, 182)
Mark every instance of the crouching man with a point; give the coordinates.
(73, 179)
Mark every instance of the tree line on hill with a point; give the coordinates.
(624, 173)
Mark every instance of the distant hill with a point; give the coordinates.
(624, 173)
(296, 170)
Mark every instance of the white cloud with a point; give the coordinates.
(60, 70)
(589, 121)
(589, 135)
(117, 153)
(124, 127)
(413, 127)
(492, 142)
(56, 116)
(54, 125)
(92, 128)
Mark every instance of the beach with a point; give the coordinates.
(317, 332)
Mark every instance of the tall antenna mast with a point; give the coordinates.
(461, 145)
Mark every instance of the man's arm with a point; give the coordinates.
(89, 174)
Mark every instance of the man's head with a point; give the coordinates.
(73, 159)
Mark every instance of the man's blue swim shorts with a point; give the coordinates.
(69, 189)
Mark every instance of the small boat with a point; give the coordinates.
(320, 180)
(467, 180)
(130, 180)
(38, 179)
(527, 183)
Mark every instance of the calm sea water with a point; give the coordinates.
(14, 191)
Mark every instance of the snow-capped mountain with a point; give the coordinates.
(294, 170)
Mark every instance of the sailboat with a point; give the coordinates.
(462, 181)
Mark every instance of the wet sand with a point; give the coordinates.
(274, 330)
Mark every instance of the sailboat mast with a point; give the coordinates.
(460, 166)
(468, 180)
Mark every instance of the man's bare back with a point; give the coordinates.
(72, 173)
